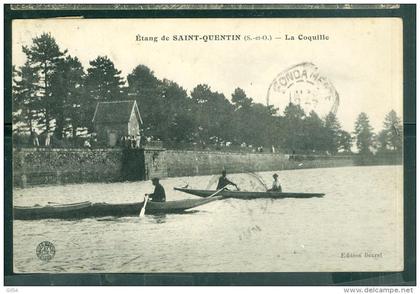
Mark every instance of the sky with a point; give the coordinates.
(362, 57)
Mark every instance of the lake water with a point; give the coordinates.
(361, 215)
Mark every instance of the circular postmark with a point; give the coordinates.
(45, 251)
(304, 85)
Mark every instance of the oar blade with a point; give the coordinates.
(142, 212)
(143, 209)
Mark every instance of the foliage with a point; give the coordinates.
(364, 134)
(43, 57)
(314, 139)
(336, 139)
(390, 138)
(26, 100)
(103, 81)
(393, 130)
(147, 90)
(53, 92)
(68, 84)
(212, 115)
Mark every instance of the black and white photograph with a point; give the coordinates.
(218, 145)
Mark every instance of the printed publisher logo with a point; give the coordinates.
(45, 251)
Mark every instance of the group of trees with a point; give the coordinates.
(54, 93)
(388, 140)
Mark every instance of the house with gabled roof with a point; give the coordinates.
(115, 119)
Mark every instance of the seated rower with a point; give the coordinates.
(276, 187)
(159, 194)
(223, 182)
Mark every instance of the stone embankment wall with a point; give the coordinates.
(59, 166)
(44, 166)
(189, 163)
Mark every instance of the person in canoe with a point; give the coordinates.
(159, 194)
(223, 182)
(276, 187)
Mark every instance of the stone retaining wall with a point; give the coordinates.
(59, 166)
(189, 163)
(44, 166)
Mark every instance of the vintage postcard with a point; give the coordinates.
(186, 145)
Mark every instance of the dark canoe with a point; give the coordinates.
(88, 209)
(249, 195)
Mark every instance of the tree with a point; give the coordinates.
(260, 125)
(332, 135)
(240, 100)
(294, 137)
(242, 120)
(25, 95)
(344, 141)
(178, 121)
(148, 91)
(314, 134)
(201, 94)
(43, 57)
(364, 134)
(104, 81)
(393, 132)
(382, 141)
(213, 114)
(294, 112)
(142, 77)
(68, 83)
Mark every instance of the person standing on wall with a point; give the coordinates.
(47, 139)
(34, 138)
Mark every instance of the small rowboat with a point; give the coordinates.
(248, 195)
(89, 209)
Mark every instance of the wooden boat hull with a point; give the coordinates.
(89, 210)
(249, 195)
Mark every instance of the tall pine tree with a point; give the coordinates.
(68, 83)
(44, 56)
(393, 131)
(332, 134)
(103, 83)
(364, 134)
(149, 93)
(25, 93)
(294, 136)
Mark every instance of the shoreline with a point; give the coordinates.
(39, 167)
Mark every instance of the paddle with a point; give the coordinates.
(217, 192)
(220, 190)
(143, 209)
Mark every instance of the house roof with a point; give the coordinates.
(116, 112)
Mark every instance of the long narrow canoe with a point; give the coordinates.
(88, 209)
(248, 195)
